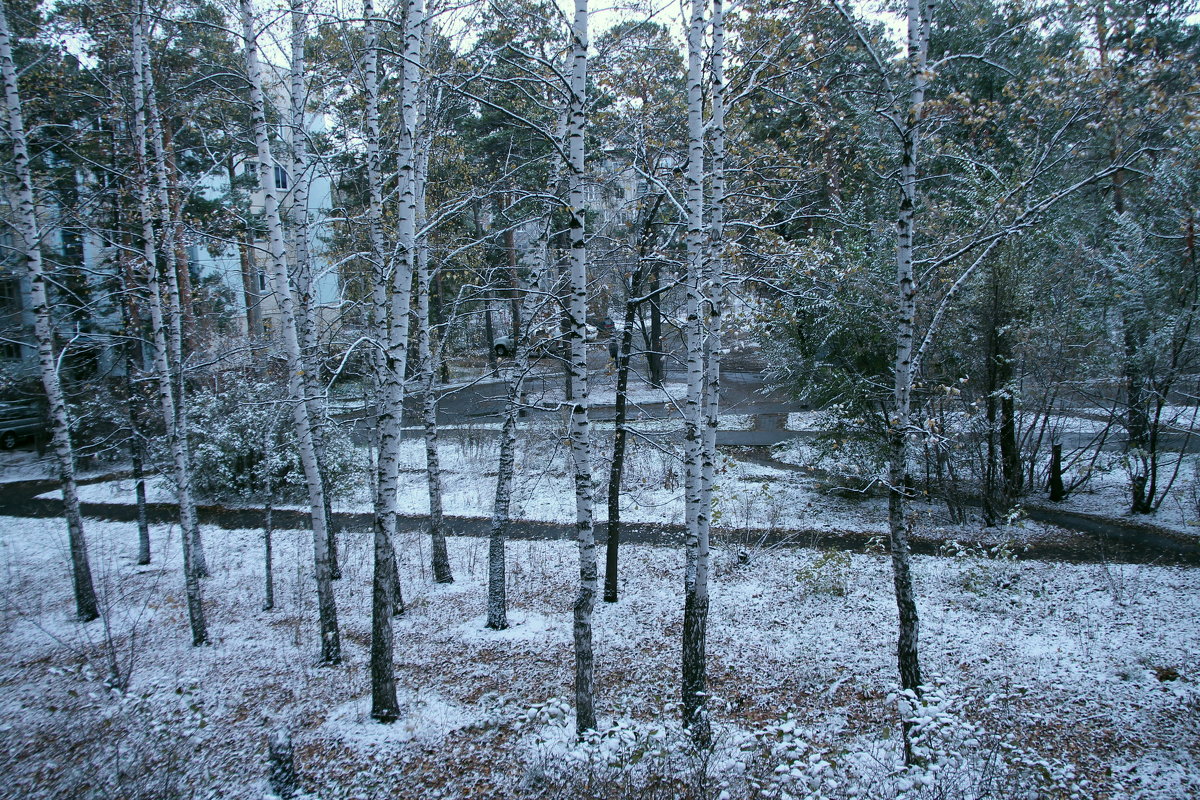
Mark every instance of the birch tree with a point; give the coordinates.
(925, 287)
(86, 607)
(167, 257)
(579, 434)
(702, 336)
(439, 557)
(392, 299)
(307, 313)
(331, 650)
(533, 294)
(384, 705)
(920, 21)
(176, 431)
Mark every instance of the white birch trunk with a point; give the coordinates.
(159, 336)
(174, 311)
(695, 609)
(585, 602)
(392, 303)
(86, 607)
(384, 705)
(331, 650)
(307, 319)
(713, 287)
(439, 556)
(497, 607)
(919, 13)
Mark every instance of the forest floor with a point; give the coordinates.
(1052, 680)
(1048, 679)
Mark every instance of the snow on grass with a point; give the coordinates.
(1069, 680)
(748, 494)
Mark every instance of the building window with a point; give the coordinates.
(281, 177)
(10, 295)
(10, 351)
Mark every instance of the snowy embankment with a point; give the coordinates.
(1060, 680)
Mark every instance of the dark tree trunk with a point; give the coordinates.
(489, 332)
(695, 681)
(906, 652)
(282, 765)
(654, 348)
(335, 566)
(268, 555)
(137, 445)
(1057, 492)
(619, 441)
(384, 706)
(251, 283)
(1010, 451)
(139, 489)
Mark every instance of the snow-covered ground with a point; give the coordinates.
(751, 494)
(1052, 680)
(747, 494)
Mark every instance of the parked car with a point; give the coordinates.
(546, 338)
(21, 419)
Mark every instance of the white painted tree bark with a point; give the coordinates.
(579, 434)
(181, 466)
(331, 649)
(86, 607)
(696, 511)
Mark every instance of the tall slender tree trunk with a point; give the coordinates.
(331, 648)
(392, 303)
(497, 599)
(384, 705)
(137, 445)
(497, 594)
(695, 604)
(919, 21)
(86, 606)
(168, 261)
(142, 87)
(427, 355)
(251, 285)
(307, 311)
(620, 416)
(711, 275)
(268, 521)
(581, 455)
(620, 437)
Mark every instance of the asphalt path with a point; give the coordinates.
(743, 391)
(1098, 540)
